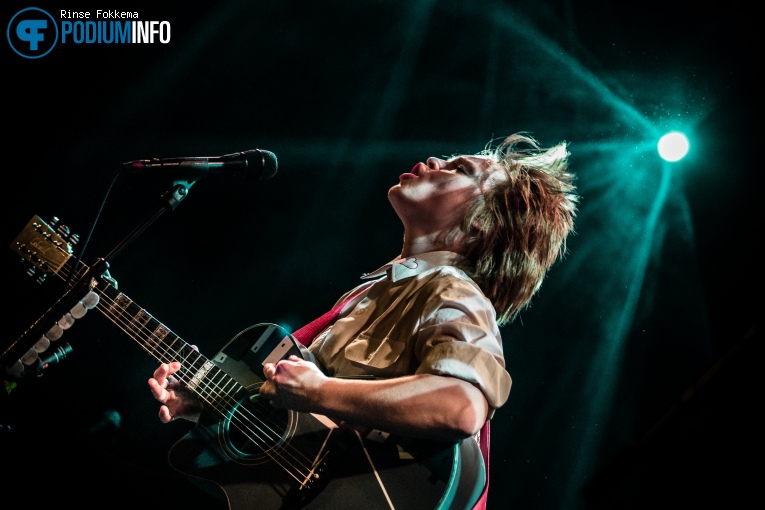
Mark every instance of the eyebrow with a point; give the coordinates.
(470, 163)
(461, 159)
(473, 166)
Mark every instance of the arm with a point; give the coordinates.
(455, 345)
(417, 405)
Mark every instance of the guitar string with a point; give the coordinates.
(233, 412)
(299, 461)
(108, 310)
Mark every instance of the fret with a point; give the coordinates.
(156, 337)
(170, 346)
(120, 304)
(228, 386)
(206, 378)
(139, 321)
(188, 352)
(221, 385)
(200, 375)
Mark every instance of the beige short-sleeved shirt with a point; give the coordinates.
(419, 315)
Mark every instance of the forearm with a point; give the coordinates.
(418, 405)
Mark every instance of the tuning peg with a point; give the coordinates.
(67, 235)
(33, 273)
(62, 230)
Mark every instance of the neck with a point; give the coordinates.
(423, 242)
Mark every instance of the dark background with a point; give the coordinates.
(634, 369)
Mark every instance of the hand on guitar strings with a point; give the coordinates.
(177, 401)
(292, 383)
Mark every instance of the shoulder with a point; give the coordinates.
(454, 279)
(450, 287)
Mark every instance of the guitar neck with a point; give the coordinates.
(47, 249)
(198, 373)
(154, 337)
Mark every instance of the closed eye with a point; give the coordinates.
(462, 165)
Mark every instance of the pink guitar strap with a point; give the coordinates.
(483, 443)
(307, 333)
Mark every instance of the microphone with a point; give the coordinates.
(257, 163)
(54, 358)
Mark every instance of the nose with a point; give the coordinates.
(435, 163)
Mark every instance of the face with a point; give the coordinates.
(436, 194)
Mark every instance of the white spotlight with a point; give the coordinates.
(673, 146)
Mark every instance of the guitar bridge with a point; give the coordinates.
(314, 475)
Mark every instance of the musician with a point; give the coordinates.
(480, 232)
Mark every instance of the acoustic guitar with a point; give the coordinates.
(259, 456)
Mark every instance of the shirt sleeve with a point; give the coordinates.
(459, 337)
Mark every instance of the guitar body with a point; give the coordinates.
(267, 458)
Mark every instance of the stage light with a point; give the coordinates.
(673, 146)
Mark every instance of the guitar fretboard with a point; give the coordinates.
(197, 372)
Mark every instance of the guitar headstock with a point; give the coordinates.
(44, 247)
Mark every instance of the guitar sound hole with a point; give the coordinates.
(255, 432)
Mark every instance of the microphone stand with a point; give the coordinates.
(170, 201)
(76, 291)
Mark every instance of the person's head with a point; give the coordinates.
(432, 199)
(508, 209)
(516, 228)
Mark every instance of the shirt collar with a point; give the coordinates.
(401, 268)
